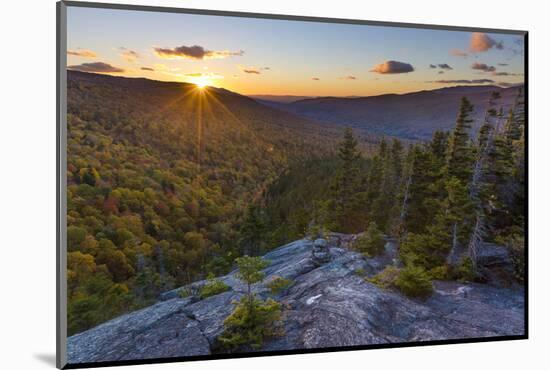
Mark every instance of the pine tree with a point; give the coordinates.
(419, 214)
(253, 231)
(349, 155)
(345, 187)
(459, 154)
(386, 206)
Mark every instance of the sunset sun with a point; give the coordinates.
(201, 82)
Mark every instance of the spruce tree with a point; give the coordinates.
(459, 154)
(384, 208)
(345, 187)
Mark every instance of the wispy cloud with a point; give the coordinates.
(128, 54)
(483, 67)
(194, 52)
(348, 78)
(209, 75)
(147, 69)
(481, 42)
(85, 53)
(253, 70)
(506, 74)
(509, 84)
(459, 53)
(479, 81)
(392, 67)
(315, 78)
(96, 67)
(441, 66)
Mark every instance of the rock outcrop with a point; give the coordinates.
(328, 305)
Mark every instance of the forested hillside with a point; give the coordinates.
(414, 116)
(160, 176)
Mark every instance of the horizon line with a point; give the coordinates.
(305, 97)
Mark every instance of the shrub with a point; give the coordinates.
(278, 284)
(426, 250)
(315, 231)
(465, 270)
(440, 273)
(516, 244)
(251, 323)
(184, 292)
(371, 243)
(213, 287)
(413, 281)
(360, 272)
(386, 278)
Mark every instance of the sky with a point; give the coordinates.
(280, 57)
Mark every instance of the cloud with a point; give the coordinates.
(128, 55)
(509, 84)
(348, 78)
(82, 53)
(503, 64)
(440, 72)
(441, 66)
(392, 67)
(194, 52)
(251, 70)
(481, 42)
(483, 67)
(210, 75)
(505, 74)
(97, 67)
(315, 78)
(480, 81)
(147, 69)
(266, 68)
(459, 53)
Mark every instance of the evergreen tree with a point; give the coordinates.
(346, 186)
(385, 206)
(253, 319)
(372, 242)
(459, 153)
(253, 231)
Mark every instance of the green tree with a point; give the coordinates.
(346, 183)
(253, 231)
(372, 242)
(384, 207)
(250, 272)
(253, 320)
(414, 282)
(460, 154)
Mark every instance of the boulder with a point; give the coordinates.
(320, 252)
(495, 264)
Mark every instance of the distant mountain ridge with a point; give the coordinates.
(280, 98)
(414, 115)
